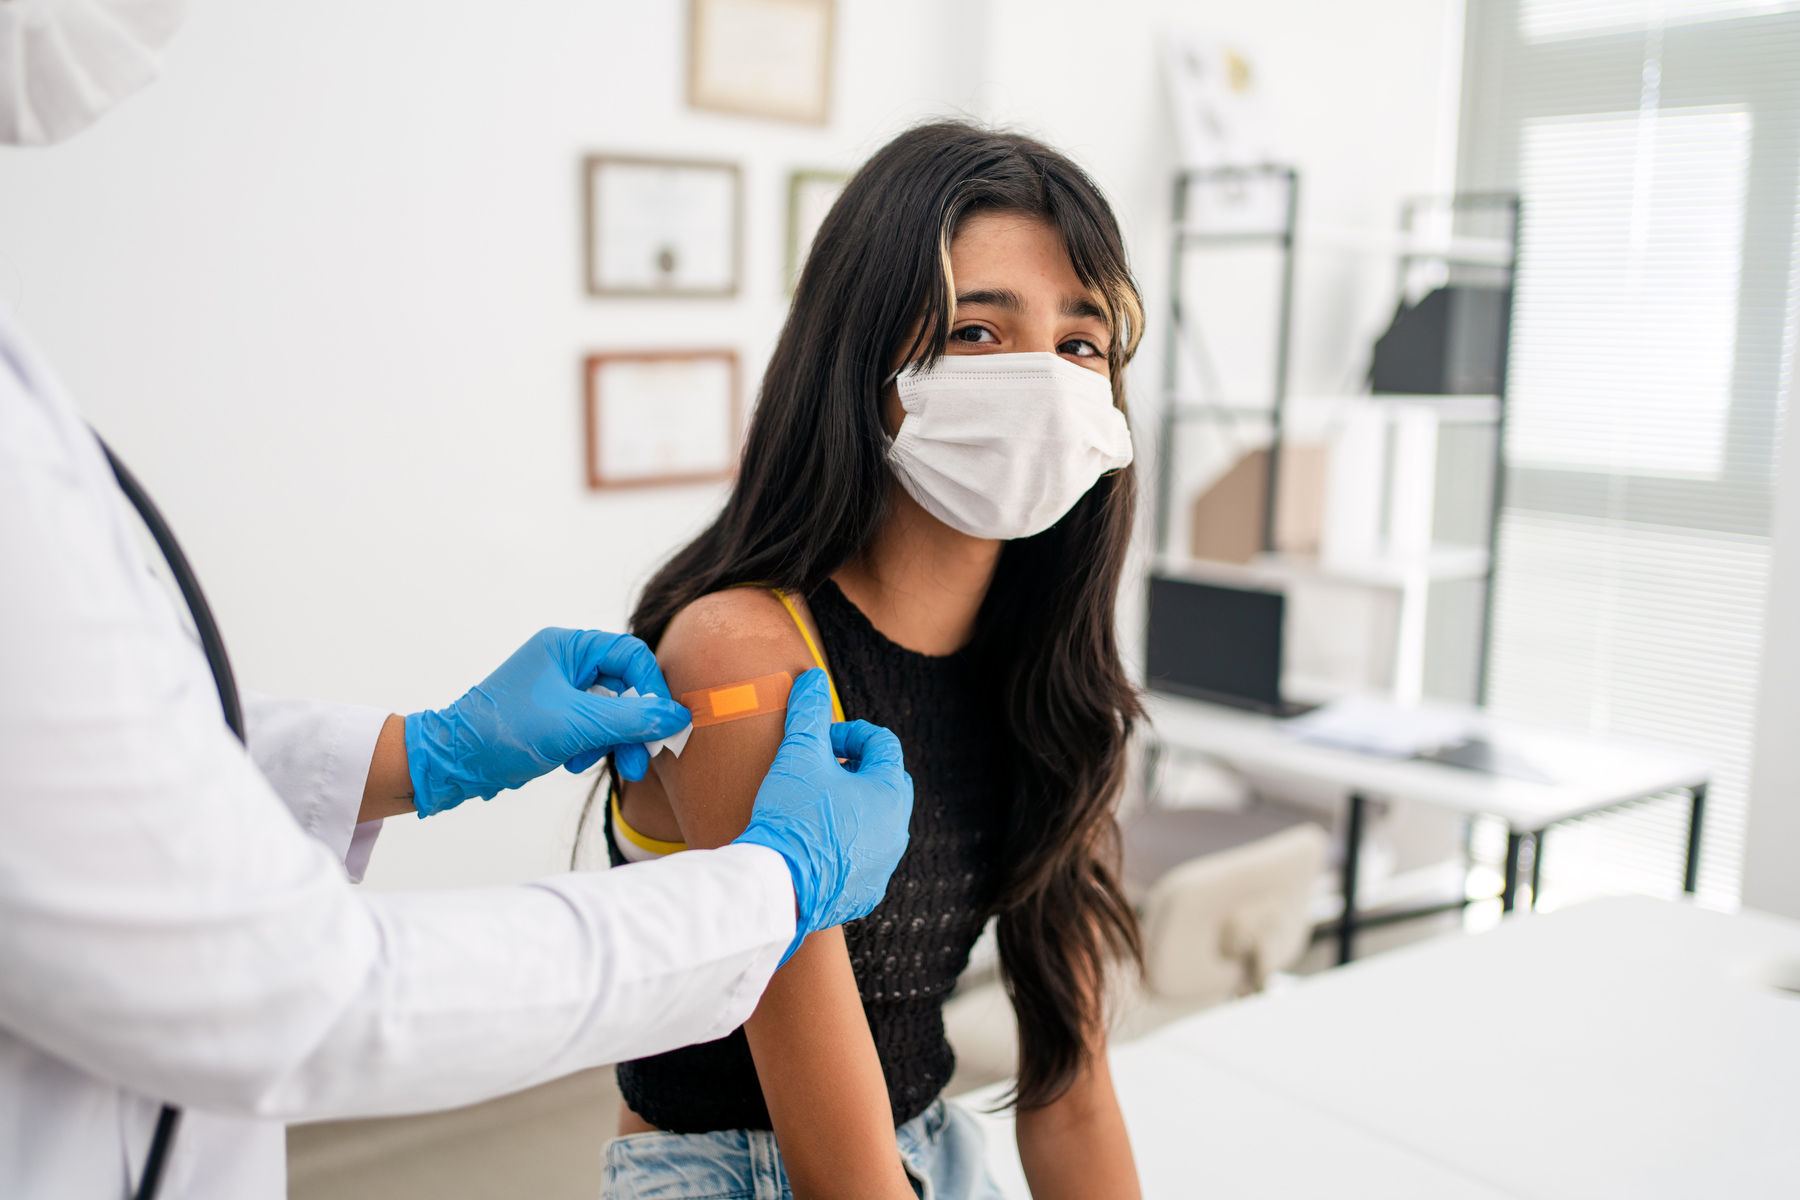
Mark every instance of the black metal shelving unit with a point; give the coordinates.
(1178, 409)
(1465, 237)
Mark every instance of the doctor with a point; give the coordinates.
(180, 948)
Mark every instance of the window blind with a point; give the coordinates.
(1628, 304)
(1550, 20)
(1656, 144)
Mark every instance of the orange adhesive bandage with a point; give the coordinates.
(735, 701)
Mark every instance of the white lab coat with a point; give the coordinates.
(169, 931)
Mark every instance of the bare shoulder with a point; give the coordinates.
(705, 795)
(737, 634)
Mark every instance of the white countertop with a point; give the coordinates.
(1623, 1048)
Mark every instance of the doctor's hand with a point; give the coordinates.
(534, 714)
(841, 827)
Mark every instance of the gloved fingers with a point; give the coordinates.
(584, 760)
(588, 656)
(867, 747)
(808, 713)
(617, 655)
(632, 760)
(615, 720)
(639, 670)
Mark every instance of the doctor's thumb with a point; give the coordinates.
(615, 720)
(809, 711)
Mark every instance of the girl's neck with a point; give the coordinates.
(920, 582)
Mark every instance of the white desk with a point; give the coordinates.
(1591, 774)
(1623, 1048)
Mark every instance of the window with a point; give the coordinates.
(1657, 147)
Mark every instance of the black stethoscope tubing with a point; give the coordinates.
(170, 1116)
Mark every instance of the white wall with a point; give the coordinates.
(321, 286)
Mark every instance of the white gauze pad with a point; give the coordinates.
(674, 744)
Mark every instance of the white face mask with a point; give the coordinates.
(65, 62)
(1002, 445)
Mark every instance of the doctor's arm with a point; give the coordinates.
(166, 926)
(388, 790)
(341, 768)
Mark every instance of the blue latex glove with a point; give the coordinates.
(534, 714)
(841, 827)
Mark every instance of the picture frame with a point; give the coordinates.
(762, 58)
(811, 193)
(661, 226)
(655, 418)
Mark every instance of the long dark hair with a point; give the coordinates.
(812, 489)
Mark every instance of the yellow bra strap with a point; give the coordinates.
(787, 602)
(641, 841)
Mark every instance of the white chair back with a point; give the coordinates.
(1217, 926)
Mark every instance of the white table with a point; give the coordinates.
(1590, 775)
(1624, 1048)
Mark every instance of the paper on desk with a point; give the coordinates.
(674, 744)
(1370, 725)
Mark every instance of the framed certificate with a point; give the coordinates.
(761, 58)
(661, 417)
(810, 196)
(661, 227)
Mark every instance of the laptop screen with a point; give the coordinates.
(1215, 643)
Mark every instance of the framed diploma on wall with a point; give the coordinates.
(661, 417)
(810, 196)
(761, 58)
(661, 227)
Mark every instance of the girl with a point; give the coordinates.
(933, 504)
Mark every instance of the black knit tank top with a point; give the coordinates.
(906, 954)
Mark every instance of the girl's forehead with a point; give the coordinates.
(1007, 231)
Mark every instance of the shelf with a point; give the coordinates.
(1188, 411)
(1445, 564)
(1449, 410)
(1314, 416)
(1231, 237)
(1462, 251)
(1469, 251)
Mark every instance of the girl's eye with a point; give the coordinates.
(1079, 347)
(974, 333)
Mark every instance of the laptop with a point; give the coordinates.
(1219, 643)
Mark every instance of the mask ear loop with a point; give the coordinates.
(893, 377)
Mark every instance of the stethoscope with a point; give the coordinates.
(170, 1116)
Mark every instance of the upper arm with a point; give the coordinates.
(814, 1055)
(725, 638)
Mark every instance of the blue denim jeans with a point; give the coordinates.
(942, 1148)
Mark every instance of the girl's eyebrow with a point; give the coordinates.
(1082, 306)
(1008, 300)
(1001, 298)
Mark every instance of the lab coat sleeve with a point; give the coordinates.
(166, 926)
(316, 756)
